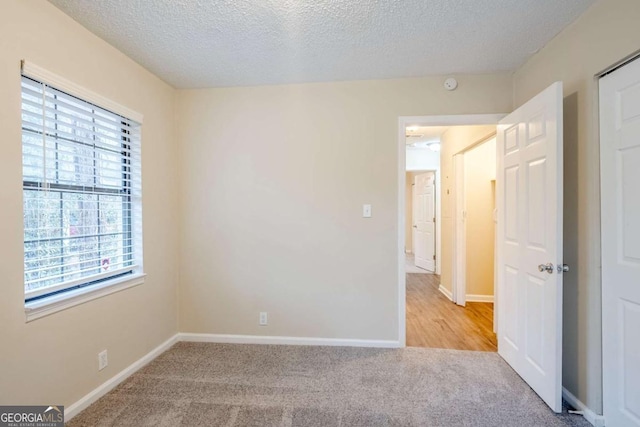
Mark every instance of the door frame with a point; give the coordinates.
(459, 261)
(459, 264)
(403, 122)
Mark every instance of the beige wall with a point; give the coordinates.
(270, 221)
(479, 178)
(273, 222)
(455, 140)
(603, 35)
(54, 359)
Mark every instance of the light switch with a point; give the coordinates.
(366, 211)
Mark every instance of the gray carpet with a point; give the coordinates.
(197, 384)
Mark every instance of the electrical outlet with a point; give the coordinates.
(263, 318)
(103, 360)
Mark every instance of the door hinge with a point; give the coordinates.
(434, 257)
(434, 220)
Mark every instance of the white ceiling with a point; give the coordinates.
(424, 133)
(206, 43)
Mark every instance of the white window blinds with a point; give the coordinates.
(81, 192)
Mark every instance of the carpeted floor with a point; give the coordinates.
(196, 384)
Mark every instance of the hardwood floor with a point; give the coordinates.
(434, 321)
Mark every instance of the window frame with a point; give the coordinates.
(94, 286)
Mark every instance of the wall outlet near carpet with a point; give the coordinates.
(263, 318)
(103, 360)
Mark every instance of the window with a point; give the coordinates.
(81, 193)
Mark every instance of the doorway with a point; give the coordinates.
(432, 318)
(529, 247)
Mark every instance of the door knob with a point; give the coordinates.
(563, 268)
(546, 267)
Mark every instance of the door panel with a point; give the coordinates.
(533, 319)
(511, 186)
(424, 221)
(629, 161)
(620, 198)
(536, 204)
(529, 201)
(511, 299)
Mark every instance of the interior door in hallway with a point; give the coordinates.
(424, 221)
(530, 266)
(620, 198)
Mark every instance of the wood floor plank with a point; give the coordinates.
(434, 321)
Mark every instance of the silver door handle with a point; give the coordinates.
(564, 268)
(546, 267)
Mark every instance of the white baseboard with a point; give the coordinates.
(447, 293)
(479, 298)
(259, 339)
(588, 414)
(77, 407)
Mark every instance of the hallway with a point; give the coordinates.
(434, 321)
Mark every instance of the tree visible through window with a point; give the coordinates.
(80, 177)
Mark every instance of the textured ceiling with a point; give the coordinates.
(211, 43)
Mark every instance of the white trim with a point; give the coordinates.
(454, 120)
(104, 388)
(479, 298)
(46, 306)
(76, 282)
(588, 414)
(29, 69)
(459, 266)
(446, 292)
(262, 339)
(402, 205)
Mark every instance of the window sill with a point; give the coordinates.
(41, 308)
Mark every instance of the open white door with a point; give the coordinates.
(530, 202)
(424, 221)
(620, 177)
